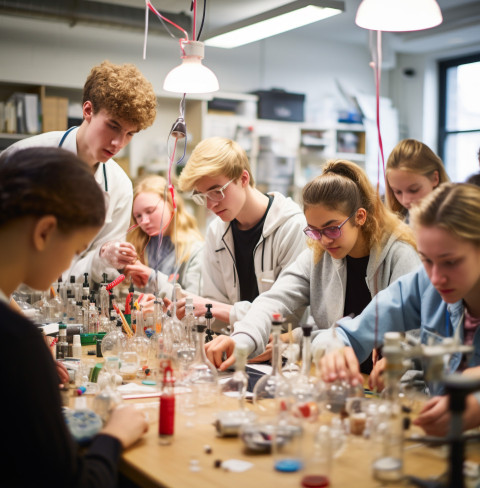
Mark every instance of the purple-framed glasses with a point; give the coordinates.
(333, 232)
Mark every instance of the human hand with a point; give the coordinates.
(375, 380)
(215, 349)
(434, 417)
(139, 273)
(265, 355)
(199, 303)
(341, 364)
(118, 254)
(127, 424)
(146, 302)
(62, 372)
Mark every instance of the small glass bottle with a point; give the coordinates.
(388, 430)
(158, 315)
(304, 389)
(186, 350)
(92, 318)
(140, 344)
(166, 422)
(201, 374)
(267, 388)
(107, 398)
(62, 344)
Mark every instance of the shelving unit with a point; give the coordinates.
(318, 145)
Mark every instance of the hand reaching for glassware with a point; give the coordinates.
(118, 254)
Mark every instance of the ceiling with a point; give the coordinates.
(460, 28)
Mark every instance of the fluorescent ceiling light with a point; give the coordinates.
(273, 22)
(398, 15)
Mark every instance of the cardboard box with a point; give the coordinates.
(54, 113)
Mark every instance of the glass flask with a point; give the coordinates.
(229, 422)
(201, 374)
(304, 389)
(186, 350)
(173, 336)
(139, 343)
(387, 431)
(270, 387)
(107, 398)
(114, 342)
(158, 315)
(287, 446)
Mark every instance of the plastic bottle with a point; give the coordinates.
(77, 347)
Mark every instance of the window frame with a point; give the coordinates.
(443, 67)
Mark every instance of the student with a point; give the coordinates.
(118, 102)
(356, 248)
(253, 237)
(50, 208)
(159, 246)
(441, 297)
(413, 171)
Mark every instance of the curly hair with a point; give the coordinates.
(416, 157)
(215, 156)
(123, 92)
(187, 231)
(42, 181)
(343, 185)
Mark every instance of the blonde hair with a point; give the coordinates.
(343, 185)
(123, 92)
(416, 157)
(187, 231)
(215, 156)
(454, 207)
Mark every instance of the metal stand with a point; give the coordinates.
(457, 388)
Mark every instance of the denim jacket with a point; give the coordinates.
(411, 302)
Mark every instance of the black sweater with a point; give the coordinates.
(36, 446)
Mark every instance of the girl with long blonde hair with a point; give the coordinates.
(164, 245)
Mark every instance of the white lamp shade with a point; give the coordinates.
(191, 77)
(398, 15)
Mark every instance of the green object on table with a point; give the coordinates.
(90, 339)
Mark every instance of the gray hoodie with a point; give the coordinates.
(281, 242)
(322, 286)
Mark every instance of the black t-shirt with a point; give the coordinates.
(245, 242)
(36, 447)
(357, 295)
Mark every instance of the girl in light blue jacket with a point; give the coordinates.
(442, 297)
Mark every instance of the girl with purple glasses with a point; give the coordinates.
(356, 248)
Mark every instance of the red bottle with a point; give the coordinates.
(166, 421)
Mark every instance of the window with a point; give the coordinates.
(459, 120)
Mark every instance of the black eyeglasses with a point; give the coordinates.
(333, 232)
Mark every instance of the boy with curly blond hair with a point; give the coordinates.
(118, 102)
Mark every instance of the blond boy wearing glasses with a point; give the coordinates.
(253, 237)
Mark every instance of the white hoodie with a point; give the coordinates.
(281, 242)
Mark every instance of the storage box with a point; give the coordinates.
(278, 104)
(54, 113)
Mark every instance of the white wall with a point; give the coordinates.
(416, 97)
(53, 53)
